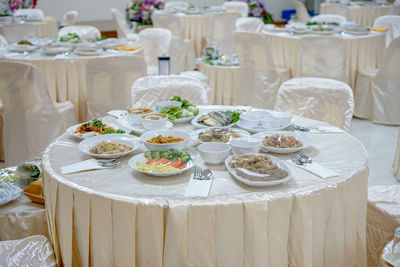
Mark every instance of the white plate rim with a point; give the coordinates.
(198, 125)
(70, 130)
(305, 139)
(194, 134)
(252, 130)
(13, 197)
(83, 53)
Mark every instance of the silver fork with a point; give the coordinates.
(301, 128)
(109, 163)
(206, 174)
(295, 160)
(197, 173)
(303, 158)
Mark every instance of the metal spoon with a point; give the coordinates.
(303, 158)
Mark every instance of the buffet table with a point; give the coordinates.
(118, 217)
(15, 32)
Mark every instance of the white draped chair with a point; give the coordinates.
(147, 91)
(329, 18)
(121, 25)
(31, 119)
(29, 13)
(237, 6)
(396, 163)
(181, 50)
(155, 42)
(109, 82)
(222, 27)
(176, 5)
(249, 24)
(377, 92)
(321, 99)
(31, 251)
(323, 56)
(390, 22)
(85, 32)
(3, 41)
(259, 79)
(301, 12)
(69, 18)
(336, 9)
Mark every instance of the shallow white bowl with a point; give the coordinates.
(167, 104)
(148, 135)
(135, 118)
(307, 142)
(214, 153)
(154, 124)
(245, 145)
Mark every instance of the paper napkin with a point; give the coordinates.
(316, 169)
(90, 164)
(198, 188)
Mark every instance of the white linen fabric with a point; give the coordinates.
(3, 41)
(147, 91)
(121, 25)
(176, 5)
(258, 75)
(322, 99)
(29, 13)
(31, 119)
(156, 42)
(147, 221)
(85, 32)
(249, 24)
(31, 251)
(301, 12)
(321, 56)
(387, 254)
(335, 9)
(392, 23)
(1, 131)
(222, 28)
(15, 32)
(396, 163)
(237, 6)
(377, 93)
(329, 18)
(109, 82)
(69, 18)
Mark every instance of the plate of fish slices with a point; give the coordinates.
(221, 119)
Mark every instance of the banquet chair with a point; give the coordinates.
(396, 163)
(390, 22)
(176, 5)
(329, 18)
(31, 119)
(3, 41)
(301, 12)
(121, 25)
(337, 9)
(221, 33)
(69, 18)
(322, 99)
(147, 91)
(259, 77)
(108, 83)
(29, 13)
(156, 42)
(85, 32)
(249, 24)
(181, 50)
(377, 93)
(323, 56)
(31, 251)
(237, 6)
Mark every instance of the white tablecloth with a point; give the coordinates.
(15, 32)
(117, 217)
(363, 52)
(396, 163)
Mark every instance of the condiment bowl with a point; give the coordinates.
(154, 121)
(214, 153)
(245, 145)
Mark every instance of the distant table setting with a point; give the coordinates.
(171, 193)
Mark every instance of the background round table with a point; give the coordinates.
(15, 32)
(117, 217)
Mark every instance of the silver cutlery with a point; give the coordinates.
(66, 54)
(301, 128)
(109, 163)
(295, 160)
(303, 158)
(200, 174)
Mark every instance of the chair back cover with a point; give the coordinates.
(258, 81)
(109, 81)
(301, 12)
(249, 24)
(392, 23)
(85, 32)
(222, 27)
(120, 23)
(16, 32)
(147, 91)
(176, 5)
(155, 42)
(337, 9)
(323, 56)
(69, 18)
(329, 18)
(3, 41)
(237, 6)
(30, 13)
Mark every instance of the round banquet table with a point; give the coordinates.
(65, 76)
(117, 217)
(15, 32)
(364, 52)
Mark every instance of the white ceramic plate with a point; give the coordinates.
(55, 50)
(123, 139)
(194, 135)
(299, 136)
(200, 125)
(88, 51)
(280, 164)
(8, 192)
(138, 128)
(22, 48)
(262, 129)
(183, 120)
(71, 131)
(323, 32)
(356, 32)
(141, 158)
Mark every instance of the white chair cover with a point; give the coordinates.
(337, 9)
(155, 42)
(392, 23)
(69, 18)
(396, 163)
(301, 12)
(259, 80)
(3, 41)
(249, 24)
(31, 120)
(222, 28)
(323, 56)
(31, 251)
(109, 81)
(30, 13)
(85, 32)
(147, 91)
(377, 93)
(176, 5)
(121, 25)
(329, 18)
(237, 6)
(321, 99)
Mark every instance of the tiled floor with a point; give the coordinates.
(380, 142)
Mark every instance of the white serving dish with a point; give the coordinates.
(182, 120)
(154, 124)
(255, 118)
(124, 139)
(138, 128)
(194, 135)
(88, 51)
(148, 135)
(299, 136)
(71, 131)
(8, 192)
(200, 125)
(245, 146)
(54, 50)
(22, 48)
(167, 104)
(274, 123)
(135, 118)
(214, 153)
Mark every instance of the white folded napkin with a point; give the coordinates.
(316, 169)
(117, 113)
(198, 188)
(90, 164)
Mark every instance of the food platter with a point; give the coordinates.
(71, 131)
(283, 124)
(138, 128)
(197, 124)
(8, 192)
(304, 139)
(195, 135)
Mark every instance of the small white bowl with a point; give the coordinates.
(154, 124)
(167, 104)
(214, 153)
(148, 135)
(134, 117)
(245, 146)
